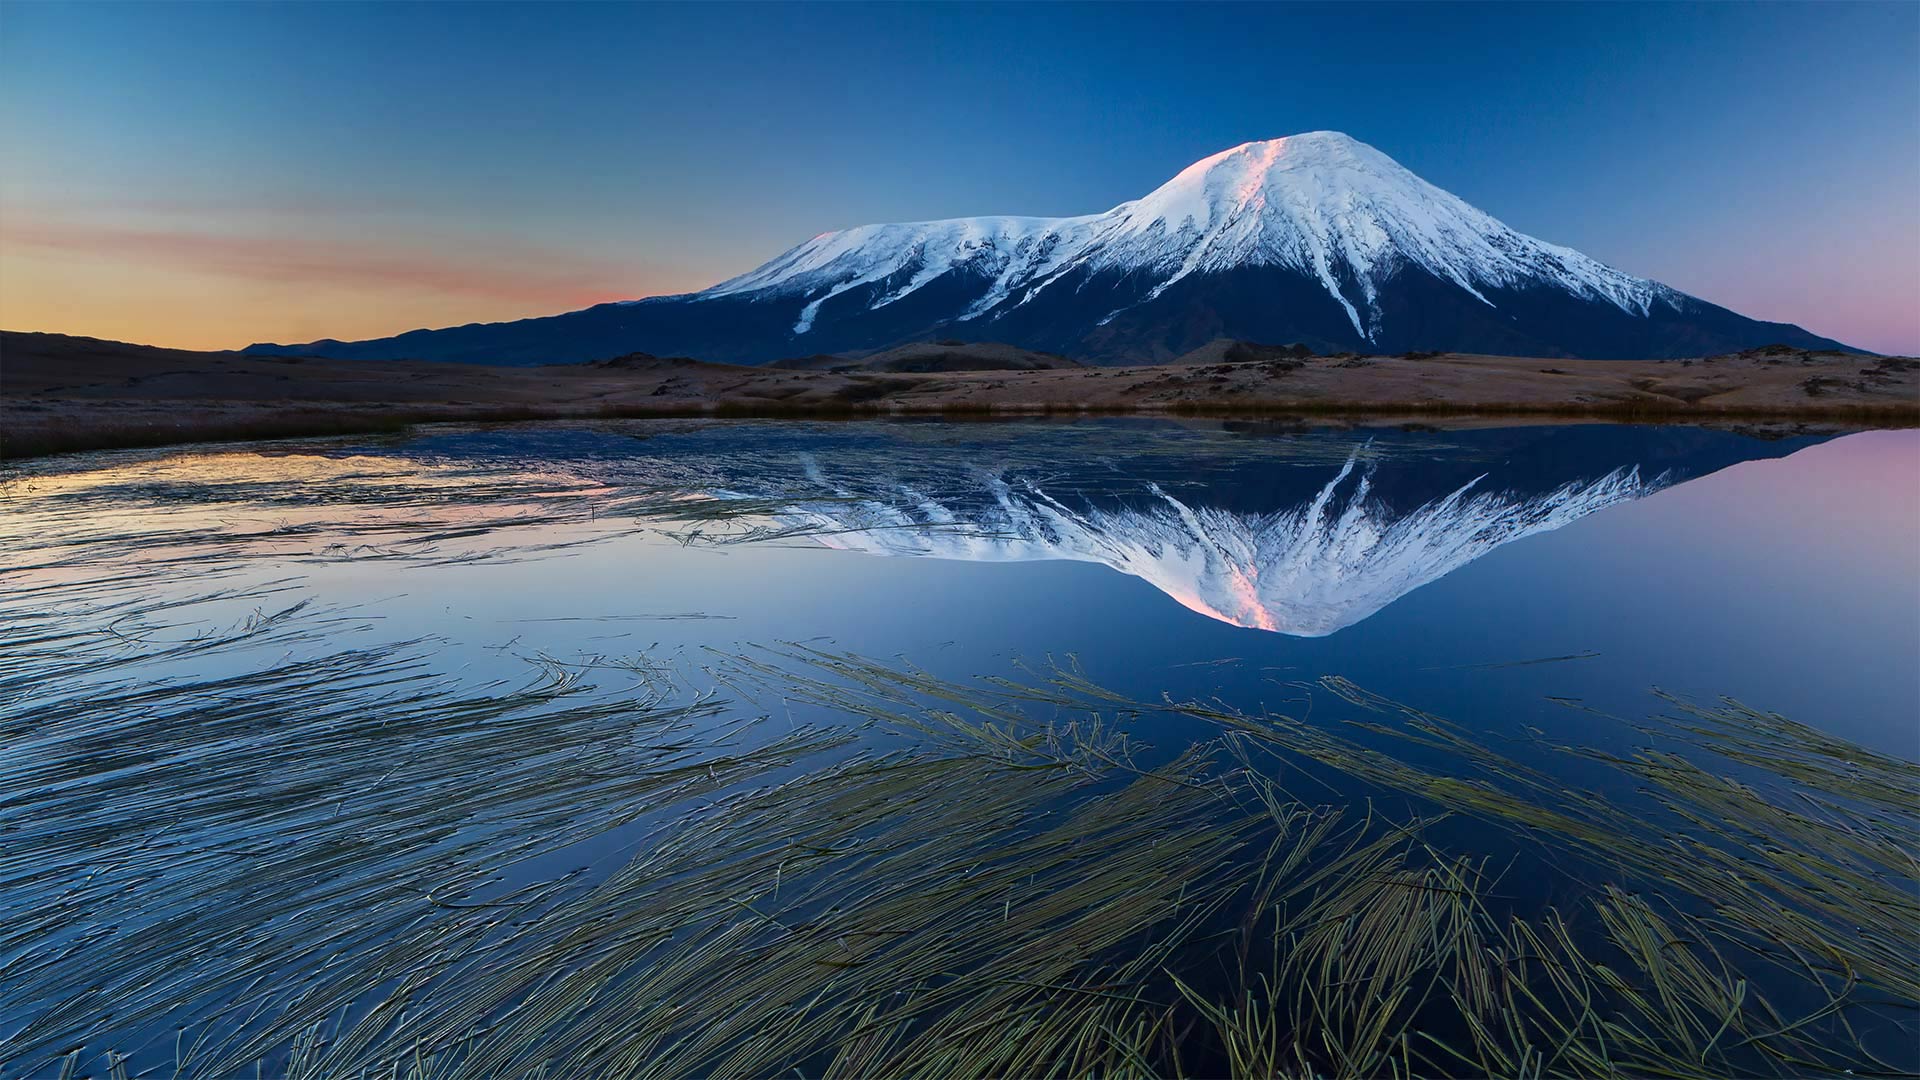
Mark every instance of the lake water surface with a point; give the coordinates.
(1117, 746)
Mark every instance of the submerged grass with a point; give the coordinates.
(1798, 876)
(167, 838)
(338, 863)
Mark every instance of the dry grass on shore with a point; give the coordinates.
(155, 428)
(62, 395)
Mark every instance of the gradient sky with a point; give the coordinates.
(210, 175)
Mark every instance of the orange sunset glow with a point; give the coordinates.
(197, 285)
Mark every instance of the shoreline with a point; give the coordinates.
(63, 395)
(307, 423)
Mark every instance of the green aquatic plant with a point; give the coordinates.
(1800, 873)
(241, 846)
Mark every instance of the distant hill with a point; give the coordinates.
(1229, 351)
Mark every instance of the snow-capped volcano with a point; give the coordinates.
(1315, 238)
(1321, 204)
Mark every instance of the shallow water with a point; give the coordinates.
(1525, 583)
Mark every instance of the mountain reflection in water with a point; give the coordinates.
(1304, 535)
(1306, 570)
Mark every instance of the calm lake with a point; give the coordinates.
(1117, 746)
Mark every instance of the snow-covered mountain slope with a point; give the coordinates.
(1315, 238)
(1321, 204)
(1009, 249)
(1307, 570)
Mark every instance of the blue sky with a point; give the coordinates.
(208, 175)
